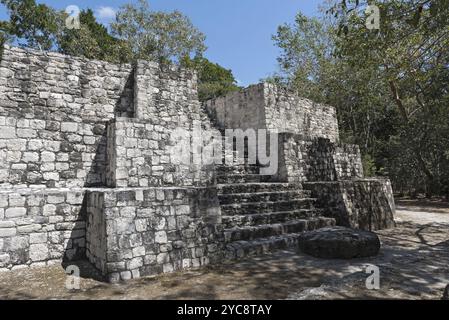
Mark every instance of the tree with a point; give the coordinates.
(155, 35)
(411, 49)
(5, 33)
(34, 24)
(213, 79)
(309, 67)
(92, 41)
(141, 34)
(389, 85)
(306, 47)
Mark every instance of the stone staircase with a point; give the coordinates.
(260, 216)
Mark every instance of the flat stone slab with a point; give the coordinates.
(339, 243)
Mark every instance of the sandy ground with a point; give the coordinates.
(413, 264)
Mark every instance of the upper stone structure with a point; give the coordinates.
(266, 106)
(92, 166)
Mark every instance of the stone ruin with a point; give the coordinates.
(88, 169)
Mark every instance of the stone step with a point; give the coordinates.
(268, 218)
(232, 158)
(258, 187)
(269, 230)
(267, 207)
(237, 169)
(238, 178)
(239, 198)
(242, 249)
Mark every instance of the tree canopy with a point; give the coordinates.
(92, 41)
(136, 33)
(35, 24)
(213, 79)
(157, 35)
(390, 85)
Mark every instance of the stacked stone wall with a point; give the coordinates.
(146, 155)
(166, 95)
(47, 153)
(53, 114)
(69, 124)
(302, 160)
(96, 244)
(52, 86)
(153, 230)
(239, 110)
(366, 204)
(39, 227)
(287, 112)
(265, 106)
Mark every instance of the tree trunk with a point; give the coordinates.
(397, 99)
(419, 158)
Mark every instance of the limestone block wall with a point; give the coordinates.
(39, 227)
(239, 110)
(144, 154)
(366, 204)
(152, 230)
(53, 114)
(70, 124)
(348, 162)
(287, 112)
(319, 159)
(165, 95)
(51, 153)
(52, 86)
(266, 106)
(96, 245)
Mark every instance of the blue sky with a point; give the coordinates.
(238, 31)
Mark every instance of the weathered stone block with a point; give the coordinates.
(7, 132)
(7, 232)
(340, 243)
(36, 238)
(39, 252)
(161, 237)
(29, 228)
(30, 157)
(26, 133)
(4, 260)
(15, 212)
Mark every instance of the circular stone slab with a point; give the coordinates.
(339, 243)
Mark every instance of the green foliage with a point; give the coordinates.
(153, 35)
(138, 33)
(92, 41)
(5, 36)
(213, 79)
(306, 47)
(36, 24)
(141, 33)
(389, 85)
(369, 166)
(5, 32)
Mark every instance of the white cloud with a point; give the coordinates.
(105, 13)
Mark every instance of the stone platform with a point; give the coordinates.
(100, 161)
(340, 243)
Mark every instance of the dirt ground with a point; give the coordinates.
(413, 264)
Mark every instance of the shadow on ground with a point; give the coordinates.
(413, 263)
